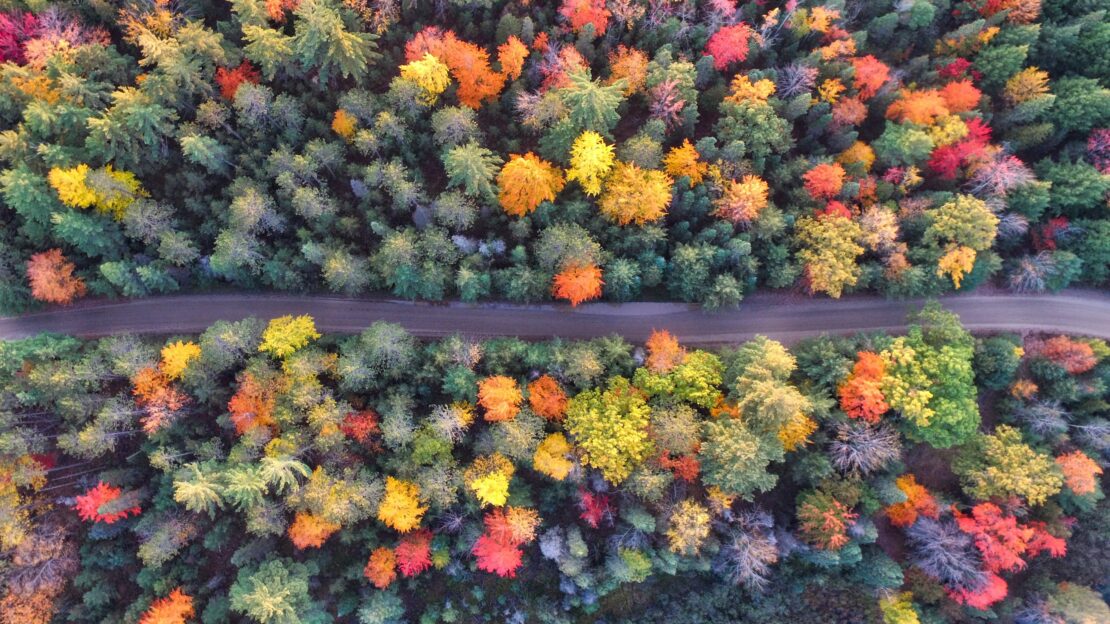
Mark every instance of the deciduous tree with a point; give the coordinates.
(577, 283)
(527, 181)
(52, 279)
(635, 196)
(591, 159)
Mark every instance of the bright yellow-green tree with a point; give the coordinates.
(430, 74)
(286, 334)
(611, 428)
(591, 159)
(829, 249)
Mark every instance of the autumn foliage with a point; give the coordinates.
(252, 404)
(577, 283)
(469, 64)
(824, 181)
(52, 279)
(500, 397)
(861, 395)
(104, 503)
(1003, 541)
(527, 181)
(729, 45)
(1072, 355)
(871, 74)
(230, 79)
(547, 398)
(175, 608)
(363, 427)
(310, 531)
(824, 521)
(154, 392)
(663, 352)
(498, 549)
(381, 569)
(1080, 472)
(581, 13)
(919, 502)
(414, 553)
(400, 508)
(635, 196)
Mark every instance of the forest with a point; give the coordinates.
(261, 472)
(527, 151)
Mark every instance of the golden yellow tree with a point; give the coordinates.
(683, 161)
(176, 357)
(551, 457)
(430, 74)
(400, 508)
(590, 161)
(527, 181)
(488, 478)
(636, 196)
(344, 124)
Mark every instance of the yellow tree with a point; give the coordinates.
(488, 478)
(551, 457)
(689, 526)
(590, 161)
(286, 334)
(105, 189)
(829, 251)
(400, 508)
(176, 357)
(635, 195)
(430, 74)
(527, 181)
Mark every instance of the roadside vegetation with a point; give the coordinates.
(574, 150)
(263, 472)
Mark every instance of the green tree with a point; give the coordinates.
(327, 40)
(736, 460)
(590, 104)
(472, 167)
(276, 592)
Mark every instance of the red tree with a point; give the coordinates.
(414, 553)
(594, 507)
(824, 181)
(580, 13)
(52, 279)
(500, 558)
(729, 45)
(106, 504)
(362, 427)
(230, 79)
(871, 75)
